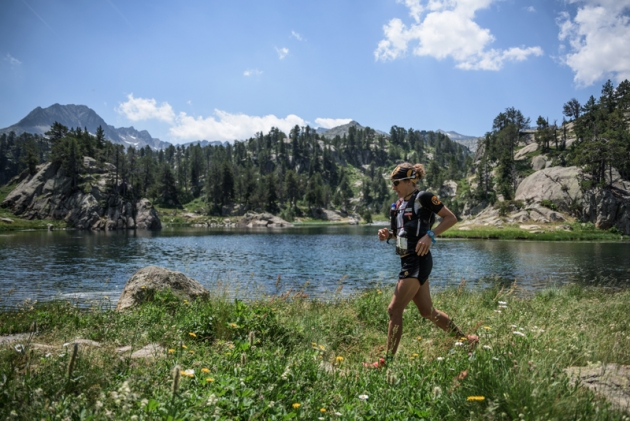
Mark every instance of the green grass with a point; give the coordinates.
(306, 355)
(549, 234)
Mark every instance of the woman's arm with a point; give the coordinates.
(448, 220)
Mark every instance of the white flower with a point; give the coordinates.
(513, 326)
(440, 358)
(487, 347)
(502, 306)
(338, 414)
(212, 399)
(48, 355)
(497, 311)
(271, 404)
(521, 329)
(495, 358)
(363, 397)
(458, 344)
(502, 303)
(518, 333)
(19, 348)
(437, 392)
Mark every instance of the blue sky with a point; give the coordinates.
(223, 70)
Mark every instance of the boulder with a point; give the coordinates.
(146, 216)
(520, 154)
(6, 220)
(448, 189)
(147, 280)
(610, 381)
(561, 185)
(539, 162)
(520, 217)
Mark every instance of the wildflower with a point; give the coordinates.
(209, 380)
(487, 327)
(314, 344)
(502, 302)
(212, 399)
(476, 398)
(502, 306)
(379, 292)
(205, 370)
(19, 348)
(184, 346)
(518, 333)
(513, 326)
(296, 405)
(458, 344)
(186, 302)
(495, 358)
(497, 311)
(415, 355)
(440, 358)
(322, 347)
(338, 414)
(171, 351)
(233, 325)
(191, 351)
(192, 334)
(322, 410)
(339, 358)
(271, 404)
(487, 347)
(187, 373)
(419, 338)
(363, 397)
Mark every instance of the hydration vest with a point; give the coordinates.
(416, 224)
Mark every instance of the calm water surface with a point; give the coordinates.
(84, 265)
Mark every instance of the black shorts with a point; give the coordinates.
(414, 266)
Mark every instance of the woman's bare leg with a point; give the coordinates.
(406, 290)
(423, 301)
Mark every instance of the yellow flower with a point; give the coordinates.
(322, 410)
(205, 370)
(314, 343)
(171, 351)
(191, 351)
(476, 398)
(234, 325)
(192, 334)
(487, 327)
(209, 380)
(419, 338)
(463, 339)
(379, 292)
(322, 347)
(296, 405)
(186, 302)
(184, 346)
(415, 355)
(339, 358)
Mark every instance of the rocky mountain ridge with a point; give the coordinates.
(40, 120)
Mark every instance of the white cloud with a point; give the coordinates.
(252, 72)
(12, 60)
(222, 125)
(136, 109)
(226, 126)
(448, 30)
(282, 52)
(296, 36)
(329, 123)
(598, 37)
(531, 9)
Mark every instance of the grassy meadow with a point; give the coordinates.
(290, 357)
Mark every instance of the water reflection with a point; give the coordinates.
(38, 265)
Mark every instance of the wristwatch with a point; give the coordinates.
(431, 235)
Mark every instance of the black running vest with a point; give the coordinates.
(416, 224)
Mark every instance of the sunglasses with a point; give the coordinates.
(397, 182)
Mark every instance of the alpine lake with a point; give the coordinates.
(321, 261)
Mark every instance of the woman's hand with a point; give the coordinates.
(423, 245)
(383, 234)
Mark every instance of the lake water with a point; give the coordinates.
(82, 265)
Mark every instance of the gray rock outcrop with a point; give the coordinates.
(146, 281)
(263, 220)
(560, 185)
(48, 194)
(607, 208)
